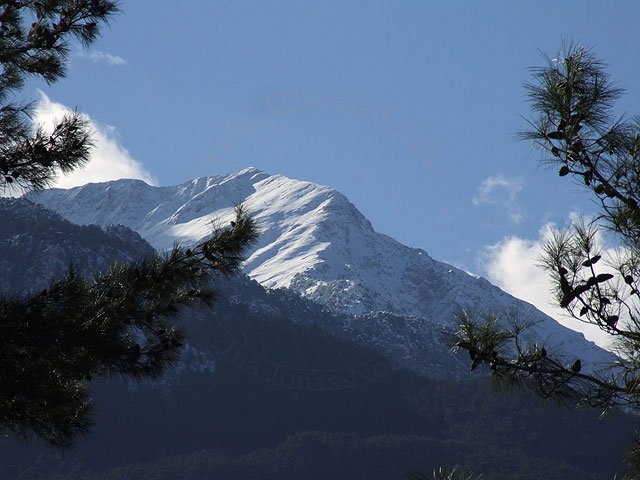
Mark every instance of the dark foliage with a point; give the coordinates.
(241, 422)
(119, 323)
(574, 124)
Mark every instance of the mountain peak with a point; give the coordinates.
(312, 241)
(250, 171)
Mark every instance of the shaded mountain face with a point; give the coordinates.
(38, 245)
(239, 423)
(315, 243)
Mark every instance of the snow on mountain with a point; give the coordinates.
(314, 242)
(37, 246)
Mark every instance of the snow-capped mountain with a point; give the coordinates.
(316, 243)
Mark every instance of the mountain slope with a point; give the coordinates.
(287, 399)
(37, 245)
(316, 243)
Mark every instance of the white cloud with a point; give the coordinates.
(97, 56)
(497, 190)
(109, 159)
(513, 264)
(500, 190)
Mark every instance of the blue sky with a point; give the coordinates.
(408, 108)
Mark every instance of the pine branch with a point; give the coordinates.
(515, 362)
(572, 99)
(121, 323)
(30, 160)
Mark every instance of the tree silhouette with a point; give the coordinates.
(53, 342)
(572, 99)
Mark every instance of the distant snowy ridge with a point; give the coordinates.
(314, 242)
(37, 246)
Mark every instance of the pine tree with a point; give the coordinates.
(53, 342)
(573, 98)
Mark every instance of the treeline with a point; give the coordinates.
(323, 456)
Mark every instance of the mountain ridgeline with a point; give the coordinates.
(281, 383)
(315, 243)
(37, 245)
